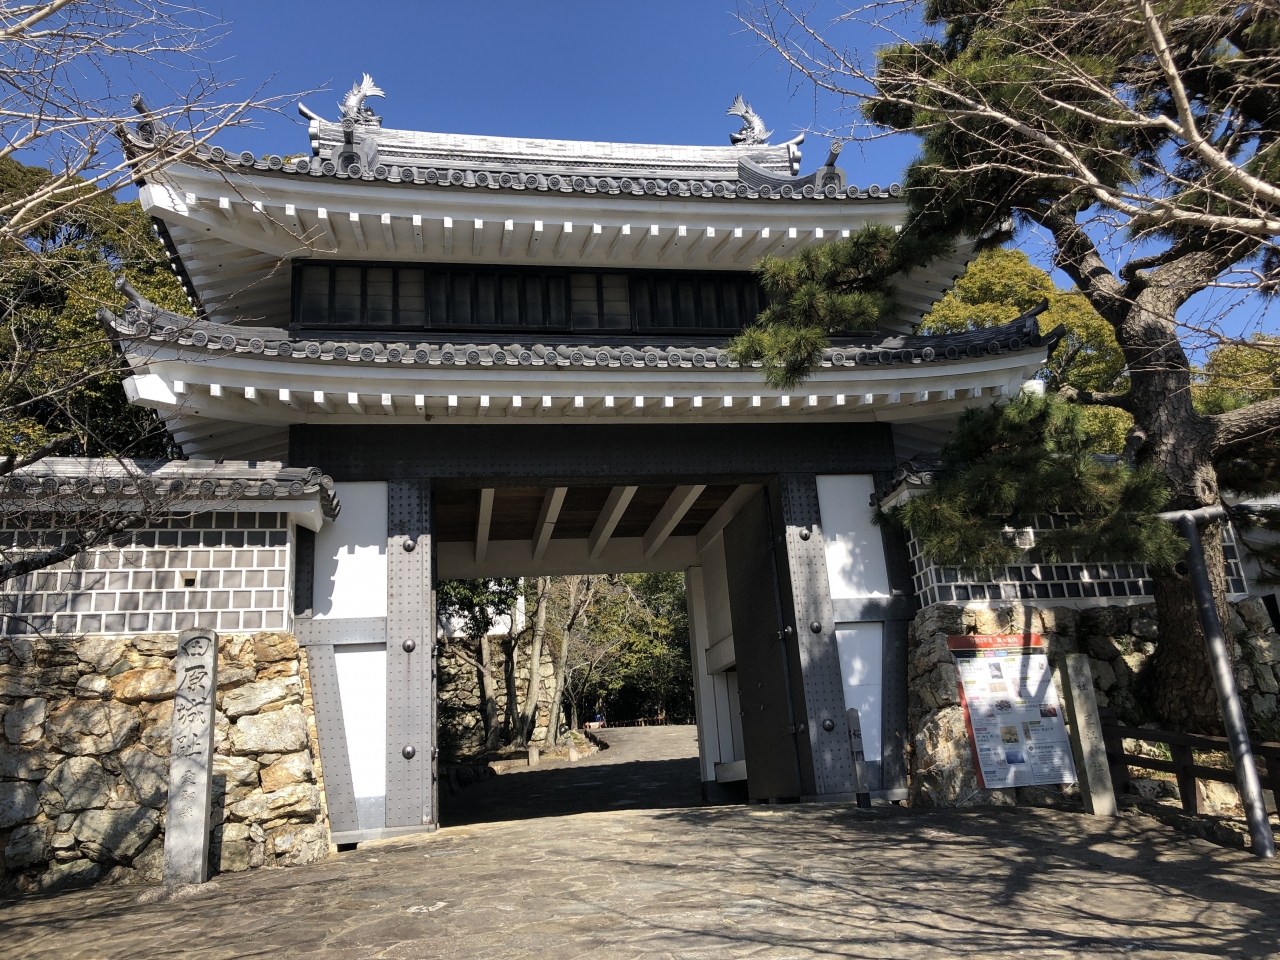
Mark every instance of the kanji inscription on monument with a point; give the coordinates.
(186, 837)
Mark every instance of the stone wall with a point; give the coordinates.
(1121, 643)
(461, 730)
(84, 758)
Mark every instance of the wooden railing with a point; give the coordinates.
(1182, 765)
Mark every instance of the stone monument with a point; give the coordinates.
(186, 838)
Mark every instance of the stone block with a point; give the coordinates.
(1254, 613)
(1102, 647)
(92, 727)
(64, 876)
(1103, 675)
(78, 783)
(156, 645)
(1107, 621)
(1266, 678)
(93, 686)
(28, 845)
(281, 731)
(18, 802)
(1059, 620)
(295, 844)
(155, 728)
(236, 771)
(101, 653)
(234, 674)
(252, 697)
(273, 647)
(1145, 628)
(137, 686)
(931, 651)
(1264, 705)
(1264, 647)
(148, 774)
(300, 800)
(116, 835)
(288, 770)
(942, 618)
(24, 722)
(23, 762)
(940, 687)
(149, 864)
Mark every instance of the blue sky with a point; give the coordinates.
(657, 72)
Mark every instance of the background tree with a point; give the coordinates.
(467, 611)
(1142, 144)
(67, 74)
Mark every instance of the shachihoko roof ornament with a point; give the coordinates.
(753, 131)
(353, 104)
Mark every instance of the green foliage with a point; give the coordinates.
(840, 287)
(1001, 285)
(62, 375)
(1006, 465)
(1237, 375)
(476, 605)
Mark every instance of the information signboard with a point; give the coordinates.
(1012, 711)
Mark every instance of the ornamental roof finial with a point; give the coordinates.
(753, 131)
(352, 104)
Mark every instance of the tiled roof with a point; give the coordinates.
(143, 321)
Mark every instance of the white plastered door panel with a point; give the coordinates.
(857, 571)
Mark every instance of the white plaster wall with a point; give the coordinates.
(861, 647)
(351, 555)
(362, 688)
(855, 551)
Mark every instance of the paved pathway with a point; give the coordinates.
(643, 768)
(704, 883)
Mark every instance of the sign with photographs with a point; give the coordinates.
(1012, 711)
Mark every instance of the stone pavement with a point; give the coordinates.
(702, 883)
(643, 768)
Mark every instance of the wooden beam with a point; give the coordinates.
(593, 237)
(448, 235)
(737, 500)
(326, 227)
(535, 237)
(669, 517)
(623, 231)
(607, 522)
(761, 236)
(228, 211)
(551, 505)
(566, 231)
(387, 235)
(719, 248)
(646, 237)
(477, 237)
(674, 241)
(260, 211)
(708, 234)
(417, 232)
(483, 522)
(508, 231)
(354, 219)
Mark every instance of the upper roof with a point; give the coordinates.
(358, 147)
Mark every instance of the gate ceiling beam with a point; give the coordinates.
(669, 517)
(607, 522)
(551, 505)
(727, 510)
(483, 522)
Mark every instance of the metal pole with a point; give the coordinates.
(1264, 844)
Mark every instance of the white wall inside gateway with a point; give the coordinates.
(855, 552)
(362, 688)
(351, 555)
(861, 647)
